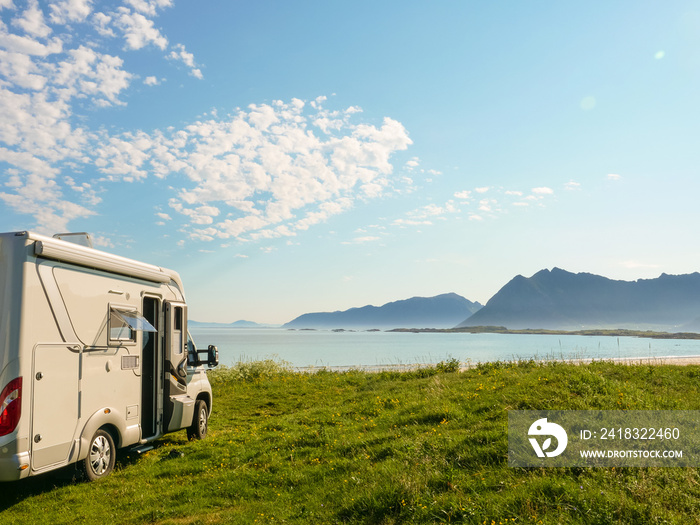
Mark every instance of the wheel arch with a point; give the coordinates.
(206, 397)
(106, 419)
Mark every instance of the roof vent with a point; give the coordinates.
(80, 238)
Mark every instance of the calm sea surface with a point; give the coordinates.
(358, 349)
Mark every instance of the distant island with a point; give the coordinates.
(525, 331)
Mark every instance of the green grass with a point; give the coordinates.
(427, 446)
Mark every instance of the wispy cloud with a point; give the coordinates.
(425, 215)
(484, 207)
(363, 240)
(138, 31)
(270, 169)
(266, 171)
(633, 265)
(180, 54)
(52, 67)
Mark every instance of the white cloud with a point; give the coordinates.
(31, 21)
(64, 11)
(411, 222)
(48, 70)
(261, 172)
(138, 30)
(100, 240)
(632, 265)
(426, 215)
(92, 74)
(102, 23)
(149, 7)
(271, 170)
(486, 205)
(543, 191)
(614, 176)
(479, 210)
(363, 240)
(413, 163)
(180, 54)
(572, 186)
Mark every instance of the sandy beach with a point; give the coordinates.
(670, 360)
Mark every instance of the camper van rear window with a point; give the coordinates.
(124, 323)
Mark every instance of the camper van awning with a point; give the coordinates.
(134, 320)
(90, 258)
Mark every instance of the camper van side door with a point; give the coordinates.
(175, 355)
(176, 344)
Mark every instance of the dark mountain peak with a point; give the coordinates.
(560, 299)
(555, 272)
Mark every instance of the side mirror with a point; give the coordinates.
(212, 356)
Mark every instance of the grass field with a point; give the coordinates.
(427, 446)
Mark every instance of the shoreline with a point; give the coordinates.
(654, 361)
(612, 332)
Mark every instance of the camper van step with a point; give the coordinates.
(142, 449)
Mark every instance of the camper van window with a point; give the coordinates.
(124, 323)
(119, 329)
(178, 336)
(178, 318)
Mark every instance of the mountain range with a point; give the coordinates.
(550, 299)
(441, 311)
(557, 299)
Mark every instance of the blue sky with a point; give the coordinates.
(288, 157)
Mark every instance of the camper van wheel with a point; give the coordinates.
(198, 430)
(101, 456)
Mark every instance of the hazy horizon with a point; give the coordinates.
(292, 158)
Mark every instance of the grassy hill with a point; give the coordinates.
(427, 446)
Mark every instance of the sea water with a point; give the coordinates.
(302, 348)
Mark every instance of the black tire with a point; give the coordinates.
(101, 456)
(200, 421)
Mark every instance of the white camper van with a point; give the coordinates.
(94, 356)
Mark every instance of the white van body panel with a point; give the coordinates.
(82, 366)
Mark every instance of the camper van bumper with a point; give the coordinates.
(13, 466)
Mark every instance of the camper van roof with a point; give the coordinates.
(65, 251)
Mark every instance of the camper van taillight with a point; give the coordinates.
(10, 406)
